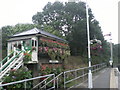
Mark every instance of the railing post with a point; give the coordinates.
(101, 66)
(64, 79)
(14, 51)
(76, 75)
(83, 75)
(25, 85)
(57, 82)
(105, 65)
(45, 84)
(54, 81)
(97, 67)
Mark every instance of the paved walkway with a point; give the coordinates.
(100, 80)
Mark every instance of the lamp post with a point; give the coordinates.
(90, 84)
(111, 58)
(111, 49)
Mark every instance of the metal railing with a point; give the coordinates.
(66, 80)
(58, 81)
(11, 63)
(79, 75)
(97, 67)
(5, 59)
(44, 81)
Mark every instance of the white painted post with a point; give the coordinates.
(8, 50)
(90, 85)
(111, 59)
(54, 81)
(14, 48)
(25, 85)
(57, 82)
(64, 80)
(83, 76)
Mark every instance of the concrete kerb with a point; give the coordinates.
(114, 78)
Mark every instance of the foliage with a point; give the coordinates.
(70, 20)
(50, 70)
(16, 75)
(50, 29)
(52, 43)
(54, 49)
(55, 53)
(116, 55)
(27, 57)
(95, 46)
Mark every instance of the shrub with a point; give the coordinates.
(16, 75)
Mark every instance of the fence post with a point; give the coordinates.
(54, 81)
(95, 68)
(76, 75)
(101, 66)
(25, 85)
(45, 84)
(83, 75)
(57, 82)
(64, 79)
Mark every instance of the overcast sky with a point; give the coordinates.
(13, 12)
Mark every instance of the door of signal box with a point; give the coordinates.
(34, 49)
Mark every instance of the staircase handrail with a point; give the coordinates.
(7, 63)
(6, 58)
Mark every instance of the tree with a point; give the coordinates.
(70, 19)
(116, 55)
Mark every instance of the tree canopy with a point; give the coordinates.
(70, 20)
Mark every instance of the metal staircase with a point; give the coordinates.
(12, 61)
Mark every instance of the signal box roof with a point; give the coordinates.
(36, 31)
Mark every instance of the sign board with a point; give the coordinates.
(53, 61)
(110, 62)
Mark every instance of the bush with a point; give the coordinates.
(16, 75)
